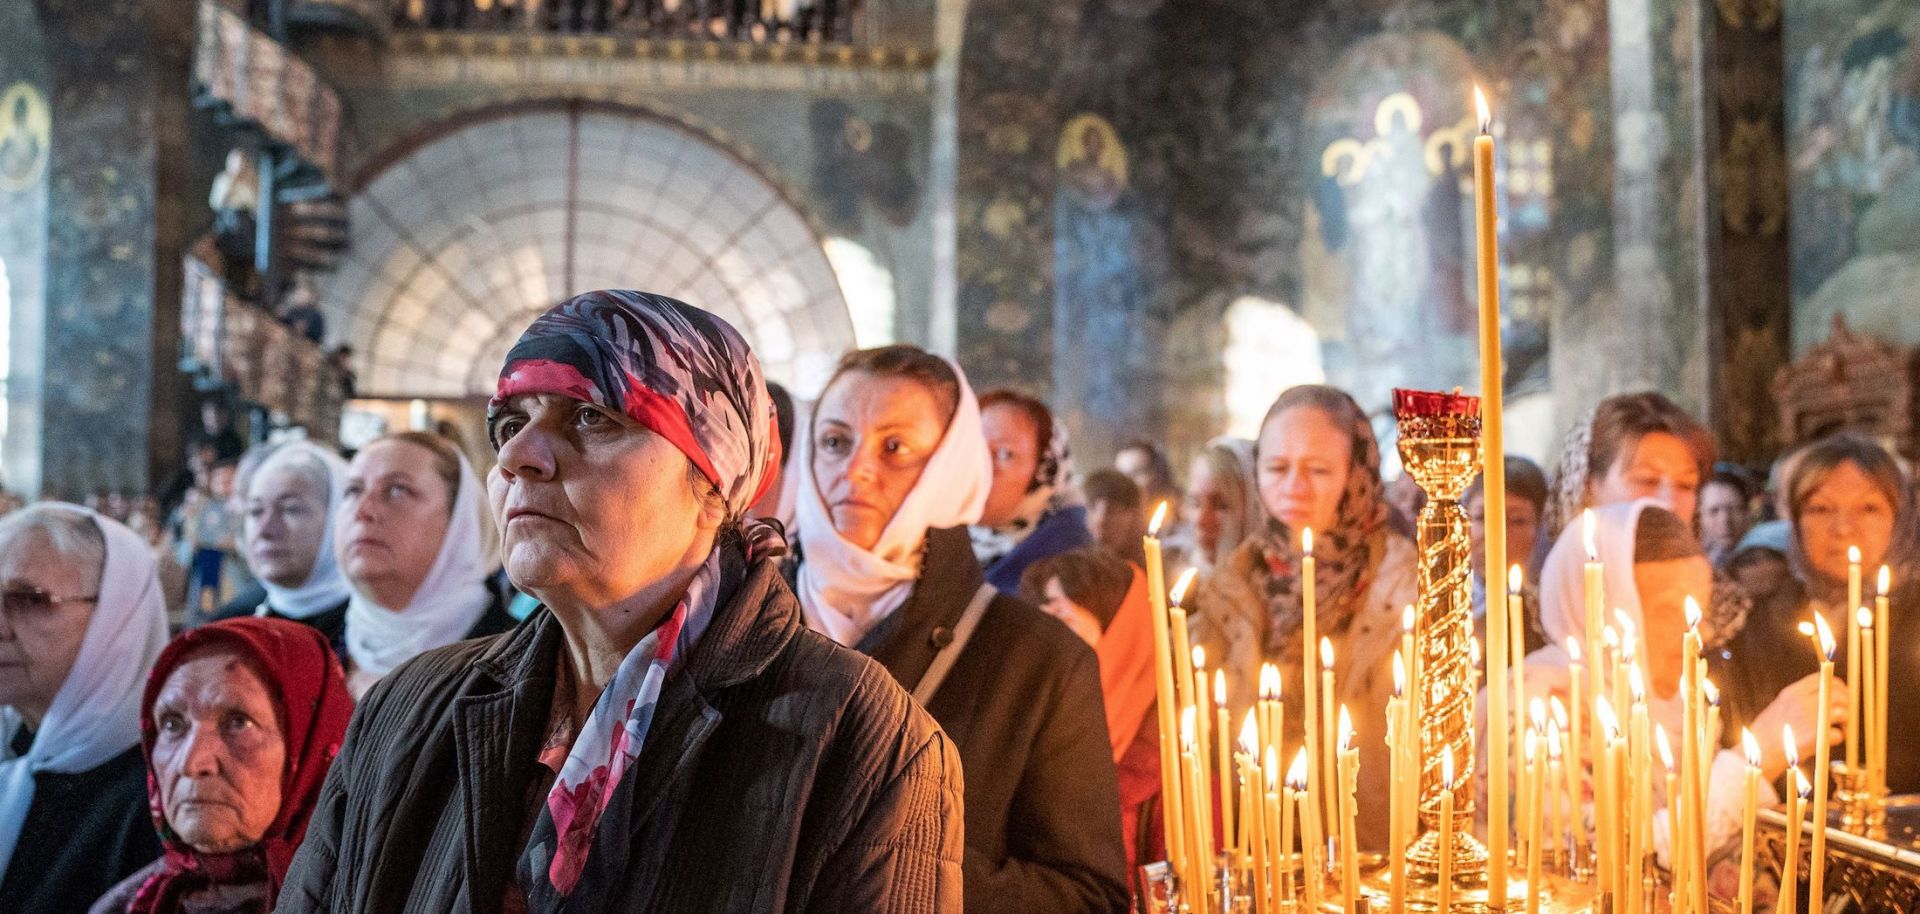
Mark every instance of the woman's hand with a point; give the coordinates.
(1798, 706)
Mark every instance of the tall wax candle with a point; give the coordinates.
(1536, 818)
(1311, 872)
(1853, 659)
(1882, 633)
(1822, 753)
(1165, 697)
(1798, 789)
(1517, 644)
(1223, 736)
(1399, 734)
(1594, 597)
(1446, 830)
(1749, 810)
(1309, 639)
(1347, 767)
(1327, 745)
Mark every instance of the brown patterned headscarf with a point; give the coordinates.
(1346, 555)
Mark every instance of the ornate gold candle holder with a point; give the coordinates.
(1863, 811)
(1440, 447)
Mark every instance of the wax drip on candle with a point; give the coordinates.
(1589, 533)
(1159, 517)
(1180, 587)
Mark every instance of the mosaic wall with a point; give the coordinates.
(26, 125)
(1853, 115)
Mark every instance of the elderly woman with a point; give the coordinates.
(1031, 511)
(1221, 508)
(287, 534)
(1318, 468)
(1843, 491)
(1103, 599)
(242, 720)
(81, 620)
(896, 470)
(407, 533)
(1651, 564)
(1633, 446)
(663, 733)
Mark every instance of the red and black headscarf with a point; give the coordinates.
(681, 372)
(305, 679)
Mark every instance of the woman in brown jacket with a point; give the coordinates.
(663, 734)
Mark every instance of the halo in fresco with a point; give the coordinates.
(25, 133)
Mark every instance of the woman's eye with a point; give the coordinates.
(236, 722)
(506, 429)
(589, 417)
(833, 444)
(398, 491)
(171, 723)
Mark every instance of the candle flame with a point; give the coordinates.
(1805, 788)
(1825, 633)
(1187, 716)
(1806, 629)
(1406, 619)
(1588, 531)
(1693, 612)
(1610, 636)
(1666, 748)
(1220, 688)
(1399, 675)
(1326, 654)
(1159, 517)
(1886, 580)
(1515, 578)
(1297, 772)
(1537, 712)
(1866, 617)
(1559, 710)
(1573, 648)
(1792, 746)
(1446, 767)
(1752, 747)
(1199, 657)
(1345, 729)
(1710, 690)
(1269, 682)
(1625, 622)
(1553, 742)
(1480, 109)
(1180, 586)
(1603, 714)
(1637, 684)
(1250, 735)
(1853, 555)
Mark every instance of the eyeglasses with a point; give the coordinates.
(26, 601)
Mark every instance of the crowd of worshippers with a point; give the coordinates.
(890, 652)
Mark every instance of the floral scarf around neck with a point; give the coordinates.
(1050, 491)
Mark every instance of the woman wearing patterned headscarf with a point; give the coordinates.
(1317, 466)
(1031, 512)
(662, 733)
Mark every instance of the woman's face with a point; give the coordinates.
(1013, 441)
(1304, 462)
(218, 754)
(391, 521)
(1847, 509)
(286, 520)
(1206, 506)
(38, 639)
(593, 507)
(1077, 617)
(871, 438)
(1664, 588)
(1723, 515)
(1659, 466)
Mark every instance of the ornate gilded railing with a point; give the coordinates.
(751, 21)
(255, 81)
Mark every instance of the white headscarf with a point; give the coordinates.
(1563, 587)
(96, 714)
(325, 585)
(451, 598)
(845, 590)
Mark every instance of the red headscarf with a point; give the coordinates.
(310, 690)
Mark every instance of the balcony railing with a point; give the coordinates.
(255, 82)
(228, 342)
(753, 21)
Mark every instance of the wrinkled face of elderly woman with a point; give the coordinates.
(49, 597)
(1304, 460)
(872, 435)
(286, 521)
(593, 507)
(219, 756)
(1846, 509)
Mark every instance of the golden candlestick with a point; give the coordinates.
(1440, 447)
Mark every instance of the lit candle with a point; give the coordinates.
(1882, 632)
(1681, 839)
(1296, 783)
(1348, 771)
(1707, 751)
(1594, 597)
(1269, 700)
(1182, 653)
(1493, 490)
(1536, 816)
(1192, 786)
(1674, 812)
(1798, 790)
(1309, 638)
(1223, 734)
(1822, 754)
(1638, 771)
(1605, 799)
(1853, 659)
(1165, 697)
(1277, 835)
(1748, 814)
(1404, 772)
(1249, 815)
(1572, 782)
(1517, 643)
(1310, 844)
(1556, 797)
(1406, 650)
(1867, 713)
(1330, 801)
(1446, 829)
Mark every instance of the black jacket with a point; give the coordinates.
(83, 833)
(781, 774)
(1023, 704)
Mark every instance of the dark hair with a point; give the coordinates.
(446, 458)
(1036, 411)
(909, 362)
(1736, 477)
(1525, 481)
(1113, 487)
(1661, 536)
(783, 418)
(1814, 463)
(1092, 577)
(1620, 421)
(1162, 470)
